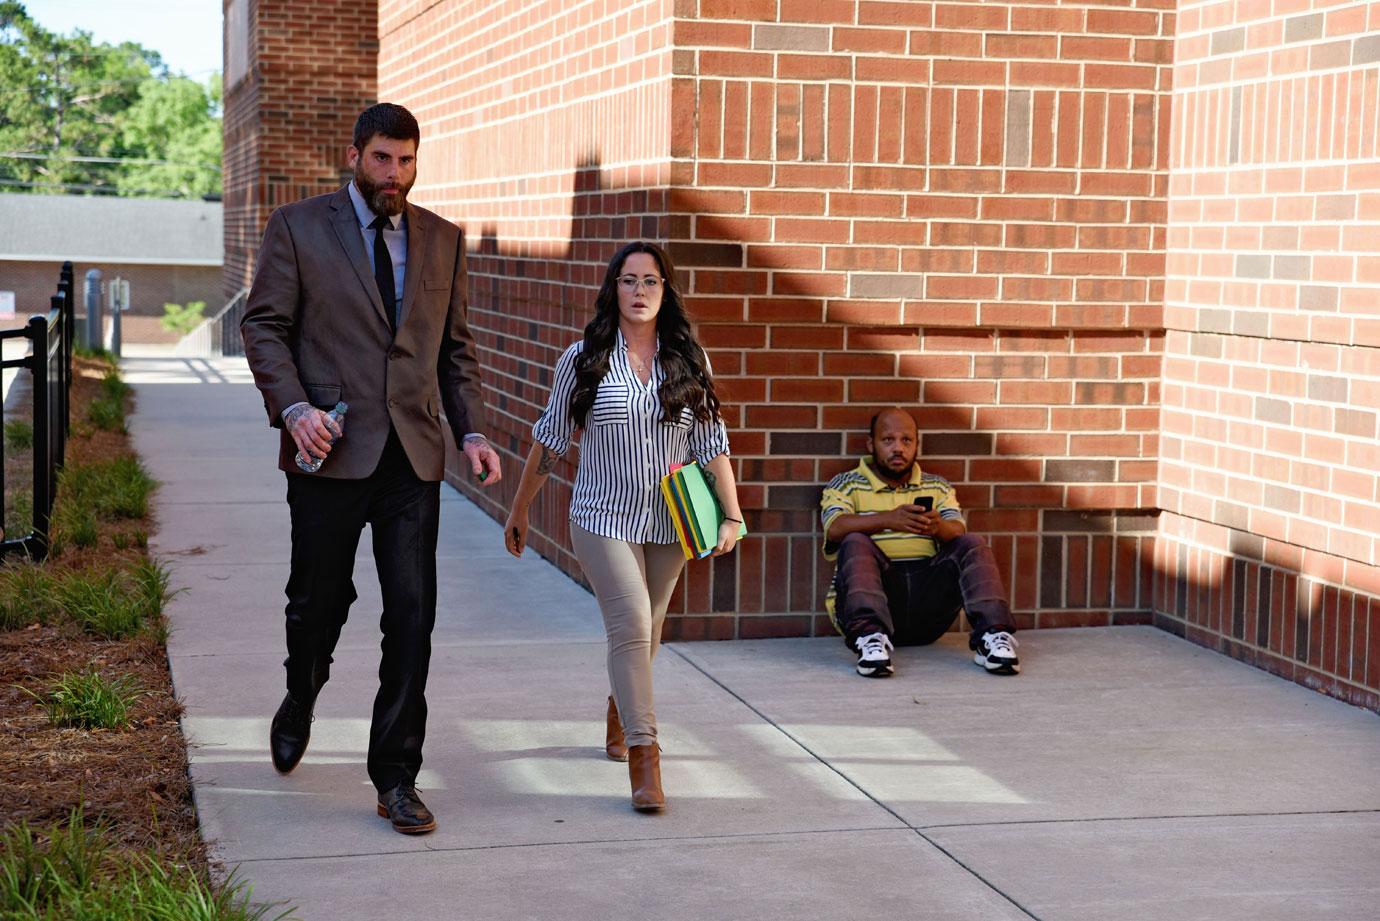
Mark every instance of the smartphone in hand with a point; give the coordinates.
(925, 502)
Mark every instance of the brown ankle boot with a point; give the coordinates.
(644, 768)
(613, 735)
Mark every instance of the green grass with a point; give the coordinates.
(25, 595)
(19, 435)
(77, 528)
(152, 581)
(77, 873)
(19, 513)
(103, 601)
(107, 412)
(113, 387)
(89, 494)
(104, 491)
(86, 700)
(123, 540)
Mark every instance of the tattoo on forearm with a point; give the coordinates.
(545, 462)
(712, 480)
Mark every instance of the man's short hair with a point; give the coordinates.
(389, 120)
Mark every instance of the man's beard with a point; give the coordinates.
(378, 199)
(886, 470)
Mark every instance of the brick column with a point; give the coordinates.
(296, 76)
(1270, 475)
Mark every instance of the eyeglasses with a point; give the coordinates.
(632, 282)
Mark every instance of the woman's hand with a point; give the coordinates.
(728, 537)
(515, 532)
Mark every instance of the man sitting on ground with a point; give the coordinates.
(906, 562)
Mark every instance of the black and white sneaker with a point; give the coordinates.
(874, 660)
(996, 652)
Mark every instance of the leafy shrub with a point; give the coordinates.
(181, 319)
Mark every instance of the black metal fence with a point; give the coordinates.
(50, 366)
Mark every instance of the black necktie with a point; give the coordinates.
(383, 271)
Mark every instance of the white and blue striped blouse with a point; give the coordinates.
(625, 449)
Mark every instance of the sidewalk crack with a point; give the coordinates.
(918, 830)
(1152, 818)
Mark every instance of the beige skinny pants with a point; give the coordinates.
(633, 583)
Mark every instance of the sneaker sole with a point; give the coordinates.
(409, 829)
(879, 672)
(996, 668)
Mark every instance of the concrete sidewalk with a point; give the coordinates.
(1125, 774)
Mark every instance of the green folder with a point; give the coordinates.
(702, 508)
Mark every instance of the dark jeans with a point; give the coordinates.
(328, 516)
(915, 602)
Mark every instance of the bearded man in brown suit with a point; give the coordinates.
(360, 296)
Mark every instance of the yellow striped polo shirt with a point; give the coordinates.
(861, 491)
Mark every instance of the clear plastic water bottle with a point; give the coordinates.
(311, 464)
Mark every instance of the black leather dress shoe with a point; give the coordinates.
(405, 809)
(289, 734)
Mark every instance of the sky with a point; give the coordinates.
(187, 33)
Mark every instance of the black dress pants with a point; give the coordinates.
(328, 516)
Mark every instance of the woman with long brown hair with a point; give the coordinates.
(639, 387)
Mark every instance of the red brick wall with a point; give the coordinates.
(956, 207)
(1132, 301)
(545, 135)
(310, 72)
(871, 203)
(1269, 464)
(33, 284)
(150, 287)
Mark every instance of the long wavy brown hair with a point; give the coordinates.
(687, 382)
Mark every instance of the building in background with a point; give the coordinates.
(170, 251)
(1121, 259)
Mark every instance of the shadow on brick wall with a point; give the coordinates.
(792, 429)
(797, 411)
(1261, 603)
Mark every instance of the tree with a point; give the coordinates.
(68, 103)
(174, 120)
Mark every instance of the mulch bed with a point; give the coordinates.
(133, 780)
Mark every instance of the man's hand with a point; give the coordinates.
(929, 524)
(483, 461)
(911, 519)
(312, 429)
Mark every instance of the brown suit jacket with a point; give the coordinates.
(315, 330)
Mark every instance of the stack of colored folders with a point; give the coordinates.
(695, 510)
